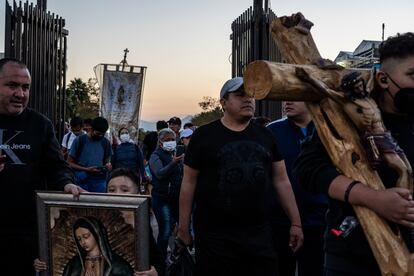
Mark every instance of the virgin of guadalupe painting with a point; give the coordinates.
(101, 240)
(94, 254)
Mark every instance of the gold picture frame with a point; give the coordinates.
(119, 224)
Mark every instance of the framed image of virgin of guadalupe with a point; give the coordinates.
(97, 234)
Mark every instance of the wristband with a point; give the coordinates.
(348, 190)
(296, 225)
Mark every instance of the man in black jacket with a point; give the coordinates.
(32, 161)
(351, 254)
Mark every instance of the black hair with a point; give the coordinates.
(226, 96)
(131, 174)
(161, 125)
(85, 222)
(188, 125)
(399, 46)
(100, 124)
(76, 121)
(87, 121)
(347, 85)
(4, 61)
(174, 121)
(119, 131)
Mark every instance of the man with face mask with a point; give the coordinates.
(128, 154)
(351, 255)
(167, 172)
(90, 157)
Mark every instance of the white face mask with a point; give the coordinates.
(169, 146)
(124, 137)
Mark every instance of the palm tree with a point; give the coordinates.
(78, 102)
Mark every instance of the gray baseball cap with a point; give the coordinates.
(231, 86)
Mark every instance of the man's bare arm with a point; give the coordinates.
(188, 187)
(287, 200)
(285, 193)
(394, 204)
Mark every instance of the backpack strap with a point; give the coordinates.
(81, 143)
(104, 143)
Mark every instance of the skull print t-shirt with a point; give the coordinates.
(235, 173)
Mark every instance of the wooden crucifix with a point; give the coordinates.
(310, 78)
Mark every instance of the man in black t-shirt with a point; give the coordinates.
(230, 165)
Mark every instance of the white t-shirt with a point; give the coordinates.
(68, 143)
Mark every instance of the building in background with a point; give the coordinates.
(366, 55)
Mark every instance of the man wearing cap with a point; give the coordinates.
(185, 136)
(175, 124)
(228, 178)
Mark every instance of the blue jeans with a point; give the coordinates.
(166, 213)
(91, 182)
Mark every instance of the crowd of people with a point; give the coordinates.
(253, 197)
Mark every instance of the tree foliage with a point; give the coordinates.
(82, 98)
(209, 103)
(211, 111)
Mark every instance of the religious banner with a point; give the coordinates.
(121, 95)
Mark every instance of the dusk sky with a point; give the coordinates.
(185, 44)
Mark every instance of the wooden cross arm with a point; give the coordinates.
(279, 81)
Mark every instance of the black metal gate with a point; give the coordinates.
(251, 40)
(39, 39)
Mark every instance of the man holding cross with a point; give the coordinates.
(346, 247)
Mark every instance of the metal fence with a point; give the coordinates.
(39, 39)
(251, 40)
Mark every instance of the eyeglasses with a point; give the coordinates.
(76, 129)
(98, 133)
